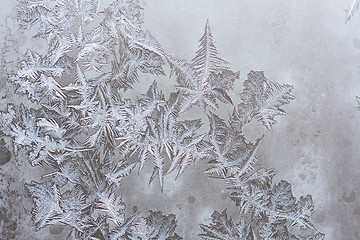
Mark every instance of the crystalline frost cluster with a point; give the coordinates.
(92, 137)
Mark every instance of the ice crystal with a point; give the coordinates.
(205, 80)
(351, 8)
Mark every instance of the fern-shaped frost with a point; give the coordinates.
(206, 80)
(262, 99)
(351, 8)
(233, 156)
(47, 203)
(223, 228)
(91, 137)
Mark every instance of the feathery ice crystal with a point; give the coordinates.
(92, 137)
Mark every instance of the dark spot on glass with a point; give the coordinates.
(350, 198)
(191, 199)
(56, 229)
(5, 155)
(356, 211)
(12, 226)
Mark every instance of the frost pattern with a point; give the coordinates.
(92, 137)
(351, 8)
(205, 80)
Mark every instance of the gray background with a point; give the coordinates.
(316, 146)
